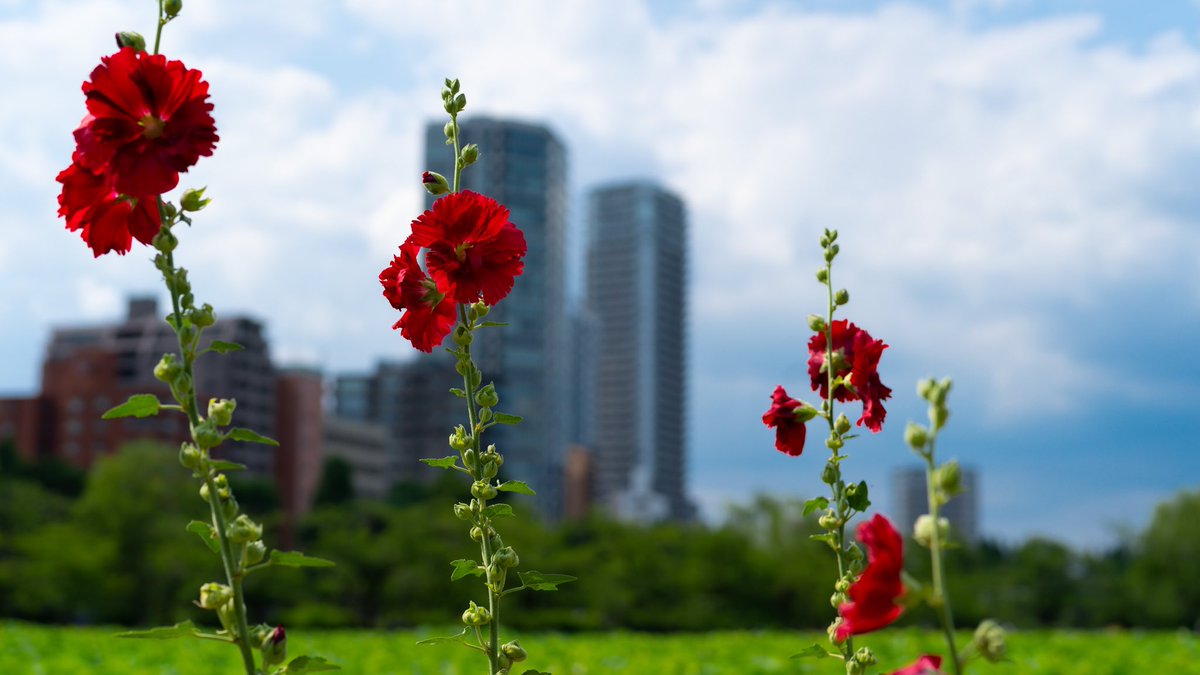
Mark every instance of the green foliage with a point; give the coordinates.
(337, 483)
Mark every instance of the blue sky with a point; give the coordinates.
(1014, 182)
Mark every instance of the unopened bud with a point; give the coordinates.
(243, 530)
(841, 297)
(189, 456)
(506, 557)
(830, 475)
(206, 435)
(193, 200)
(462, 336)
(220, 410)
(823, 275)
(204, 316)
(470, 154)
(168, 368)
(925, 389)
(434, 182)
(828, 520)
(476, 615)
(487, 396)
(213, 595)
(514, 651)
(476, 534)
(938, 414)
(916, 436)
(448, 130)
(469, 458)
(990, 640)
(480, 309)
(459, 440)
(842, 424)
(165, 240)
(482, 490)
(274, 647)
(948, 478)
(172, 8)
(923, 530)
(128, 38)
(817, 323)
(462, 511)
(865, 656)
(255, 552)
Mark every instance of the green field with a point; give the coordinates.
(40, 650)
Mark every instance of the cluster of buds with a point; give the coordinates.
(857, 664)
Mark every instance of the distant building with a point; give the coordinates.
(579, 483)
(524, 166)
(365, 447)
(583, 330)
(911, 501)
(637, 288)
(299, 458)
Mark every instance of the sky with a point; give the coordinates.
(1014, 183)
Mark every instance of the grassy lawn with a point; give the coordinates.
(26, 648)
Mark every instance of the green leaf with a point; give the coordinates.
(505, 418)
(138, 405)
(859, 501)
(181, 629)
(308, 664)
(461, 637)
(240, 434)
(297, 559)
(813, 651)
(492, 324)
(223, 347)
(464, 567)
(515, 486)
(449, 462)
(458, 392)
(225, 465)
(206, 534)
(536, 672)
(498, 510)
(537, 581)
(815, 504)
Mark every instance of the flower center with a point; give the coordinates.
(460, 251)
(432, 296)
(152, 127)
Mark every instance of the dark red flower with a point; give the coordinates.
(926, 665)
(856, 358)
(149, 119)
(473, 248)
(873, 596)
(108, 221)
(789, 429)
(429, 314)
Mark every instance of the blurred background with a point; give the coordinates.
(1013, 184)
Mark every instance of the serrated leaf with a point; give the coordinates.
(440, 640)
(138, 405)
(297, 559)
(859, 500)
(206, 534)
(464, 567)
(181, 629)
(308, 664)
(537, 581)
(498, 510)
(516, 486)
(250, 436)
(458, 392)
(505, 418)
(223, 347)
(226, 465)
(813, 651)
(815, 504)
(449, 462)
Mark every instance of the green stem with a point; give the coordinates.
(161, 22)
(458, 166)
(839, 486)
(940, 597)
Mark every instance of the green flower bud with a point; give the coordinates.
(482, 490)
(989, 640)
(193, 200)
(480, 309)
(274, 647)
(853, 667)
(220, 411)
(823, 275)
(837, 599)
(842, 424)
(459, 440)
(828, 520)
(462, 336)
(476, 615)
(487, 396)
(243, 530)
(841, 297)
(830, 475)
(514, 651)
(449, 128)
(172, 8)
(206, 435)
(865, 656)
(948, 478)
(470, 154)
(938, 416)
(506, 557)
(469, 458)
(462, 511)
(925, 389)
(842, 585)
(213, 595)
(476, 534)
(189, 456)
(832, 631)
(256, 551)
(923, 530)
(504, 663)
(834, 443)
(188, 334)
(128, 38)
(168, 368)
(916, 436)
(831, 252)
(463, 366)
(490, 470)
(435, 183)
(460, 102)
(204, 316)
(229, 507)
(817, 323)
(165, 240)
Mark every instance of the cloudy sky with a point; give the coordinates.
(1015, 184)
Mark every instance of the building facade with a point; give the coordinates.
(636, 288)
(524, 167)
(911, 501)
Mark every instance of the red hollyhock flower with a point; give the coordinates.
(855, 354)
(149, 119)
(926, 665)
(873, 597)
(473, 248)
(428, 314)
(109, 221)
(789, 429)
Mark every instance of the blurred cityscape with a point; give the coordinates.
(602, 394)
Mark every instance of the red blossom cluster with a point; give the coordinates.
(472, 252)
(873, 596)
(148, 119)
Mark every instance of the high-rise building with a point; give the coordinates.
(300, 430)
(523, 166)
(636, 287)
(911, 500)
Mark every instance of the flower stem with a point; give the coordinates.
(940, 597)
(161, 22)
(839, 485)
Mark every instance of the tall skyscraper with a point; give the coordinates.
(523, 166)
(911, 501)
(636, 287)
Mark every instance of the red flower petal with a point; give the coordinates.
(429, 314)
(873, 596)
(107, 221)
(858, 356)
(928, 664)
(789, 432)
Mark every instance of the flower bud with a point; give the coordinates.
(462, 336)
(470, 154)
(487, 396)
(469, 458)
(172, 8)
(834, 443)
(841, 297)
(506, 557)
(823, 275)
(828, 520)
(459, 440)
(220, 411)
(168, 368)
(830, 475)
(229, 507)
(916, 436)
(480, 310)
(204, 316)
(128, 38)
(482, 490)
(504, 664)
(865, 656)
(213, 595)
(831, 252)
(817, 323)
(206, 435)
(189, 456)
(841, 585)
(948, 478)
(256, 551)
(923, 530)
(448, 130)
(925, 389)
(274, 647)
(476, 534)
(243, 530)
(514, 651)
(476, 615)
(490, 470)
(989, 640)
(460, 102)
(462, 511)
(188, 334)
(833, 630)
(193, 200)
(165, 240)
(435, 183)
(842, 424)
(938, 415)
